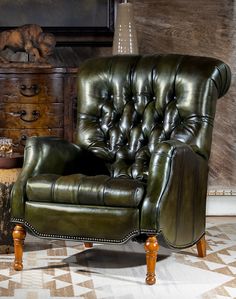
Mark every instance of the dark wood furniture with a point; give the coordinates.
(7, 179)
(13, 161)
(36, 101)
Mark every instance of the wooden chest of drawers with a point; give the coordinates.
(37, 102)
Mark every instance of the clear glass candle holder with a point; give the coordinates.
(6, 147)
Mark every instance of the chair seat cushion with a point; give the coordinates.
(100, 190)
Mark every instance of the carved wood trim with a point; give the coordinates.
(18, 234)
(151, 248)
(221, 192)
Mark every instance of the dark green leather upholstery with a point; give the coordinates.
(140, 162)
(78, 189)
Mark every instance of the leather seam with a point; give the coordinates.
(179, 194)
(158, 208)
(104, 189)
(53, 189)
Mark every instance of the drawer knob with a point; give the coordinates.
(29, 91)
(22, 140)
(23, 137)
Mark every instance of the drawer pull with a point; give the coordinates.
(21, 141)
(23, 137)
(29, 91)
(21, 114)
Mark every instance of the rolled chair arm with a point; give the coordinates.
(175, 201)
(44, 155)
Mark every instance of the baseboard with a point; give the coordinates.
(218, 205)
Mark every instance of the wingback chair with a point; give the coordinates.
(139, 166)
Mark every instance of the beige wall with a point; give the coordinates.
(202, 27)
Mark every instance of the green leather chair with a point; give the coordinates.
(139, 166)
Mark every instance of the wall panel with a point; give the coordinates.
(203, 27)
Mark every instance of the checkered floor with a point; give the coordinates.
(57, 269)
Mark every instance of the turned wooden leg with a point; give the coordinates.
(201, 247)
(18, 237)
(88, 244)
(151, 248)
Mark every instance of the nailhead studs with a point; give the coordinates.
(131, 234)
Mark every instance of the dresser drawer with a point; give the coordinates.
(19, 137)
(31, 115)
(31, 88)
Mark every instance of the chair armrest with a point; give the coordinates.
(174, 205)
(44, 155)
(50, 155)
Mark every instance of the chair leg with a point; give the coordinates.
(88, 244)
(18, 234)
(151, 248)
(201, 247)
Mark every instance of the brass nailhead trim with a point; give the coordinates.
(99, 240)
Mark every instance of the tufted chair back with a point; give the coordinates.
(129, 104)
